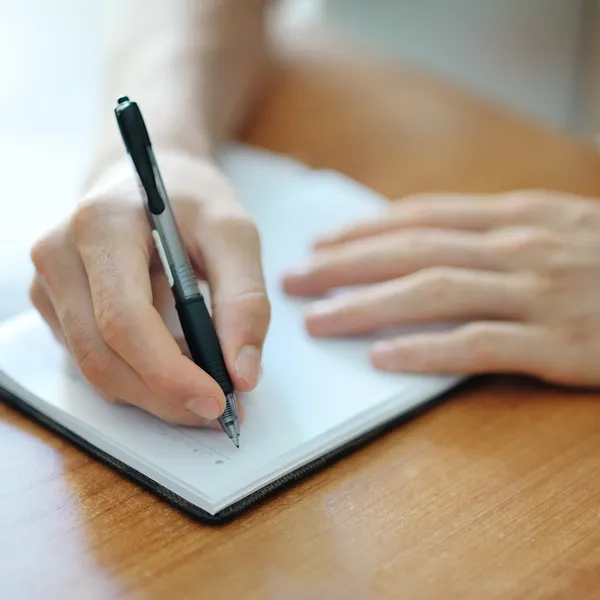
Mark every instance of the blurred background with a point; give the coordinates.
(535, 56)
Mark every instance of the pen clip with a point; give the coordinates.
(137, 142)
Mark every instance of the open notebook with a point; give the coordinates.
(317, 399)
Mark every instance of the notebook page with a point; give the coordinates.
(310, 391)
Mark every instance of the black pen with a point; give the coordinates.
(195, 319)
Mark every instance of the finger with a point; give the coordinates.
(42, 303)
(230, 248)
(114, 245)
(430, 295)
(66, 281)
(388, 256)
(456, 211)
(475, 348)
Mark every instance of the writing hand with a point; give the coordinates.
(100, 287)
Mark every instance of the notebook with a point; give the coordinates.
(317, 399)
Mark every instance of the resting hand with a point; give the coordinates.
(101, 288)
(521, 271)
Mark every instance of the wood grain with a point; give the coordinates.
(493, 494)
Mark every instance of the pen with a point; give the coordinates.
(195, 319)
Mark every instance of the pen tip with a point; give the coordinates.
(236, 441)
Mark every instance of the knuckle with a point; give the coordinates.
(253, 307)
(568, 367)
(413, 208)
(437, 281)
(415, 238)
(257, 305)
(554, 283)
(247, 312)
(530, 203)
(582, 213)
(577, 330)
(234, 226)
(475, 334)
(526, 241)
(87, 215)
(92, 357)
(94, 363)
(480, 343)
(36, 294)
(114, 321)
(41, 254)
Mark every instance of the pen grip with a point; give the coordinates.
(202, 340)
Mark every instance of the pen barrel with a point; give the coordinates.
(202, 340)
(185, 280)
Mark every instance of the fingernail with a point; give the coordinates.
(247, 364)
(388, 355)
(298, 272)
(208, 408)
(382, 354)
(326, 238)
(383, 349)
(322, 309)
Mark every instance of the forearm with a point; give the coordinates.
(196, 68)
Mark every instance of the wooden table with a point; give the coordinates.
(494, 494)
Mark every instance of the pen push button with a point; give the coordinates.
(163, 257)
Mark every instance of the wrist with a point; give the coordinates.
(184, 173)
(115, 153)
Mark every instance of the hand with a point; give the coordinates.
(101, 288)
(520, 270)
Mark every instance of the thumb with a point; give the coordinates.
(230, 247)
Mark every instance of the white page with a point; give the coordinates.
(311, 391)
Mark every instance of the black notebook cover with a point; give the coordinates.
(239, 507)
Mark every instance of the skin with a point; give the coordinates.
(98, 283)
(520, 271)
